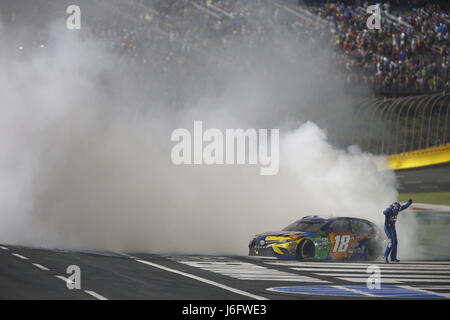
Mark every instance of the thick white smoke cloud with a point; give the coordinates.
(86, 165)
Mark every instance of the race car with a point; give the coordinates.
(317, 238)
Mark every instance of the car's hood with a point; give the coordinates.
(274, 235)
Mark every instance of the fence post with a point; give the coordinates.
(389, 118)
(446, 122)
(423, 121)
(368, 124)
(385, 107)
(418, 107)
(374, 123)
(429, 120)
(439, 118)
(397, 128)
(406, 125)
(366, 109)
(356, 119)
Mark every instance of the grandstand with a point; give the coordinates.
(408, 56)
(142, 149)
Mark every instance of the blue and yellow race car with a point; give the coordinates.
(313, 237)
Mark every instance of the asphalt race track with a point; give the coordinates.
(423, 180)
(31, 273)
(27, 273)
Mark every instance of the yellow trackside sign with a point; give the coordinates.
(419, 158)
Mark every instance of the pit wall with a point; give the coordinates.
(419, 158)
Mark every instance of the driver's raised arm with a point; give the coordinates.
(406, 205)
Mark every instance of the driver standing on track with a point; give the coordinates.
(389, 227)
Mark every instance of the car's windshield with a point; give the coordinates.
(305, 226)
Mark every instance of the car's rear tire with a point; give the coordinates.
(305, 250)
(372, 250)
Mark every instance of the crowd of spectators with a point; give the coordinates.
(408, 55)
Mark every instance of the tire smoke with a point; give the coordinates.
(85, 151)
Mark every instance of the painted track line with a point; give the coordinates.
(355, 291)
(3, 248)
(95, 295)
(400, 266)
(359, 275)
(90, 292)
(364, 271)
(66, 280)
(442, 294)
(40, 266)
(210, 282)
(392, 280)
(247, 271)
(20, 256)
(435, 287)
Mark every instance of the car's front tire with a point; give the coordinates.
(305, 250)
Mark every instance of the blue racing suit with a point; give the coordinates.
(389, 227)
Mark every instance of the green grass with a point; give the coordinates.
(433, 238)
(442, 198)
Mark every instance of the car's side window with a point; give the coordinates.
(340, 226)
(360, 227)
